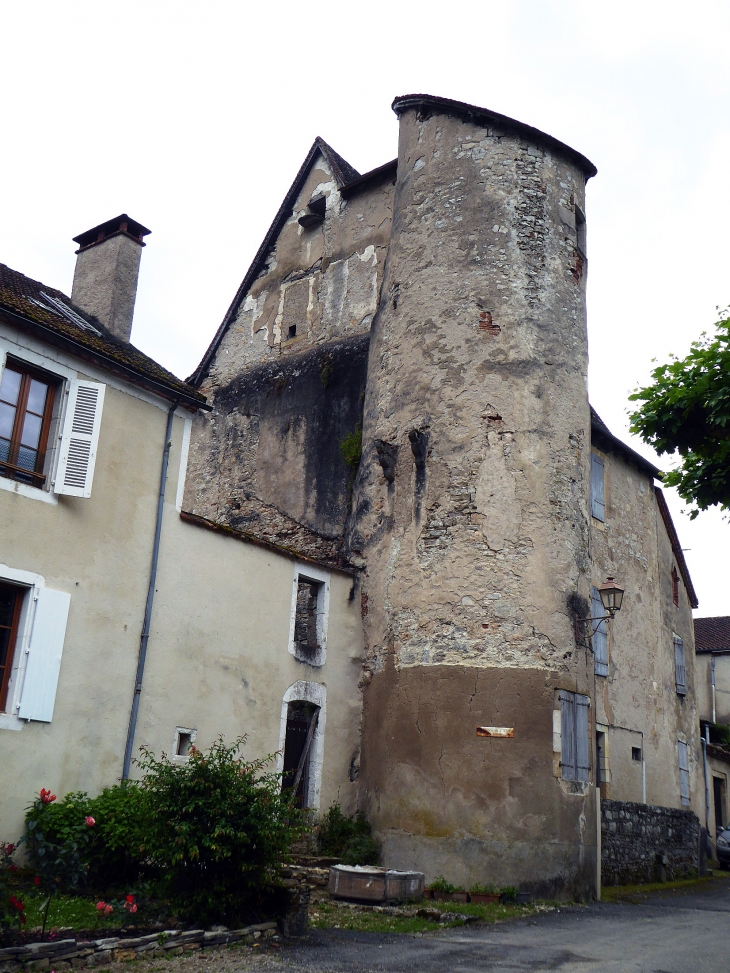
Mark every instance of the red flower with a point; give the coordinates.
(46, 796)
(100, 906)
(9, 849)
(108, 909)
(14, 869)
(16, 903)
(129, 898)
(37, 880)
(133, 908)
(90, 821)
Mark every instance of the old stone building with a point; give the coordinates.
(712, 644)
(398, 397)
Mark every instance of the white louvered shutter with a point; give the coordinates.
(680, 670)
(79, 439)
(567, 735)
(597, 504)
(599, 640)
(582, 740)
(44, 655)
(2, 362)
(683, 773)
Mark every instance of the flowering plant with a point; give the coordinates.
(12, 910)
(58, 864)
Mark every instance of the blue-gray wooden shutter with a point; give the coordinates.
(680, 671)
(597, 504)
(582, 739)
(599, 640)
(567, 735)
(683, 773)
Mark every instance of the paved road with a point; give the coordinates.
(673, 932)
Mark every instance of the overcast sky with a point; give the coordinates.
(194, 118)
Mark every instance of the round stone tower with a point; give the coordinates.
(470, 510)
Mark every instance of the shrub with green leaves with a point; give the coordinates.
(349, 838)
(12, 908)
(216, 829)
(113, 851)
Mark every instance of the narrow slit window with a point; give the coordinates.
(675, 586)
(636, 754)
(598, 506)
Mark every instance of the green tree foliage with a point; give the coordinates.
(686, 410)
(349, 838)
(215, 830)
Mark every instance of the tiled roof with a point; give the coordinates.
(676, 547)
(22, 297)
(712, 634)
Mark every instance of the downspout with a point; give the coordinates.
(705, 740)
(129, 748)
(712, 676)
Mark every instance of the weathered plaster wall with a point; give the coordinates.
(470, 505)
(639, 694)
(324, 281)
(268, 461)
(703, 686)
(218, 658)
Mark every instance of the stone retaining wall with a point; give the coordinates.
(66, 954)
(643, 843)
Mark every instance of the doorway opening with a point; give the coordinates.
(718, 787)
(301, 724)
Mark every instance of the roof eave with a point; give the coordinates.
(82, 351)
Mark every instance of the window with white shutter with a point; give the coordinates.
(44, 655)
(599, 639)
(680, 669)
(597, 500)
(79, 439)
(683, 773)
(575, 760)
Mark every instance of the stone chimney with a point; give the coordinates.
(107, 267)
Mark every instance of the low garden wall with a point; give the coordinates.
(644, 843)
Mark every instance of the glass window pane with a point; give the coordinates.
(27, 458)
(31, 430)
(37, 396)
(10, 386)
(4, 643)
(7, 604)
(7, 418)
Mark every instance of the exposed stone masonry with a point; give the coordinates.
(642, 843)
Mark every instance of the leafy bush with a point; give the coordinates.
(440, 884)
(348, 838)
(484, 889)
(216, 829)
(112, 851)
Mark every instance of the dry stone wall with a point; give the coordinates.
(643, 843)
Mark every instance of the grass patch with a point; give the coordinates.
(335, 915)
(629, 893)
(70, 910)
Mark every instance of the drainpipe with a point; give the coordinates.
(705, 740)
(712, 676)
(129, 749)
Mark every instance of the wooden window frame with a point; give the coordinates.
(9, 469)
(12, 642)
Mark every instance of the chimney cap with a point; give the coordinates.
(120, 224)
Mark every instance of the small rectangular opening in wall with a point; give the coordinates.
(292, 333)
(636, 754)
(184, 739)
(306, 636)
(580, 229)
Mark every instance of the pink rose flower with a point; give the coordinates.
(100, 906)
(90, 821)
(109, 909)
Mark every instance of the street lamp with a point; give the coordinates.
(612, 595)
